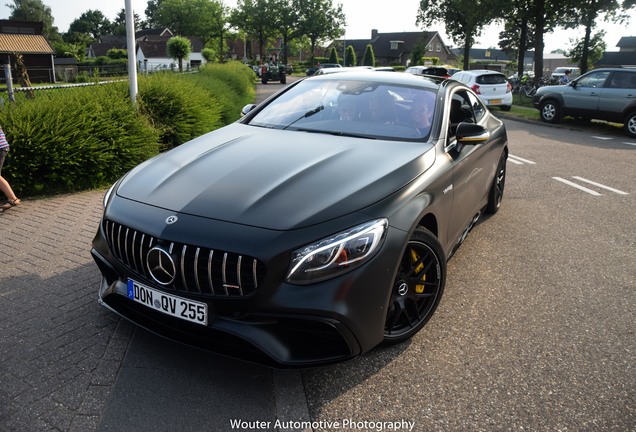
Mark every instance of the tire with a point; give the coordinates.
(630, 124)
(497, 188)
(506, 107)
(418, 287)
(550, 111)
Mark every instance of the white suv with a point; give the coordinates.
(492, 87)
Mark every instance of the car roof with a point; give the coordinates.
(332, 70)
(481, 72)
(614, 69)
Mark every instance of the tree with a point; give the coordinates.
(418, 52)
(350, 56)
(151, 13)
(333, 55)
(66, 49)
(590, 54)
(119, 23)
(208, 54)
(35, 10)
(286, 22)
(189, 17)
(586, 14)
(179, 48)
(320, 20)
(255, 18)
(93, 23)
(518, 33)
(463, 19)
(369, 57)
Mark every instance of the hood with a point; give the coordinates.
(274, 179)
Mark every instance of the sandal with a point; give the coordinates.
(11, 203)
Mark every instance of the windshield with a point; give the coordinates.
(352, 108)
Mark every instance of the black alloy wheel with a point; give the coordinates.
(418, 287)
(498, 183)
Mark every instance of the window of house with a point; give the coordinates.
(394, 45)
(439, 47)
(429, 47)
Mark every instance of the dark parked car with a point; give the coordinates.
(313, 229)
(603, 94)
(429, 70)
(312, 70)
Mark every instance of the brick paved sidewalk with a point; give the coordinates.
(59, 350)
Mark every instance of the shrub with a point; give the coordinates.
(178, 108)
(74, 139)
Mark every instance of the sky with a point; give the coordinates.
(362, 17)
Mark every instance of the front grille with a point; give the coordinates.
(199, 270)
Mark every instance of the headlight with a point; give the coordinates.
(108, 193)
(337, 254)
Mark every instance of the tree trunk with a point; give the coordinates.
(538, 39)
(523, 45)
(468, 44)
(586, 43)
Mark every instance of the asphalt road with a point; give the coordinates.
(535, 330)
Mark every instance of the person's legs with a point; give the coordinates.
(6, 189)
(3, 154)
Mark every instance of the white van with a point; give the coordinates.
(560, 71)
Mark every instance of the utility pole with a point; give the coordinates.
(132, 54)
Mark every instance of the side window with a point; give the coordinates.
(464, 107)
(594, 80)
(623, 80)
(477, 107)
(465, 78)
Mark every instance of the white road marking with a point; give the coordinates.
(629, 143)
(601, 185)
(574, 185)
(602, 138)
(518, 160)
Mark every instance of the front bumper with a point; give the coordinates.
(279, 324)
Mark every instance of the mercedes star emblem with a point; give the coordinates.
(161, 266)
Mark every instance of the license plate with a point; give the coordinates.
(494, 101)
(168, 304)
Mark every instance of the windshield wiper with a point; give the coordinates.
(336, 133)
(307, 114)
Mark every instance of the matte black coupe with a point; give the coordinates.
(313, 229)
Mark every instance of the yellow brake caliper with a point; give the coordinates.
(415, 257)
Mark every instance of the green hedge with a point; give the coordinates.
(73, 139)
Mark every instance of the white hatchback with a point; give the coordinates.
(492, 87)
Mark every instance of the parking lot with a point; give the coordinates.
(535, 330)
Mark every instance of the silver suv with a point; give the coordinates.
(604, 94)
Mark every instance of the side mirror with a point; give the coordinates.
(247, 108)
(471, 134)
